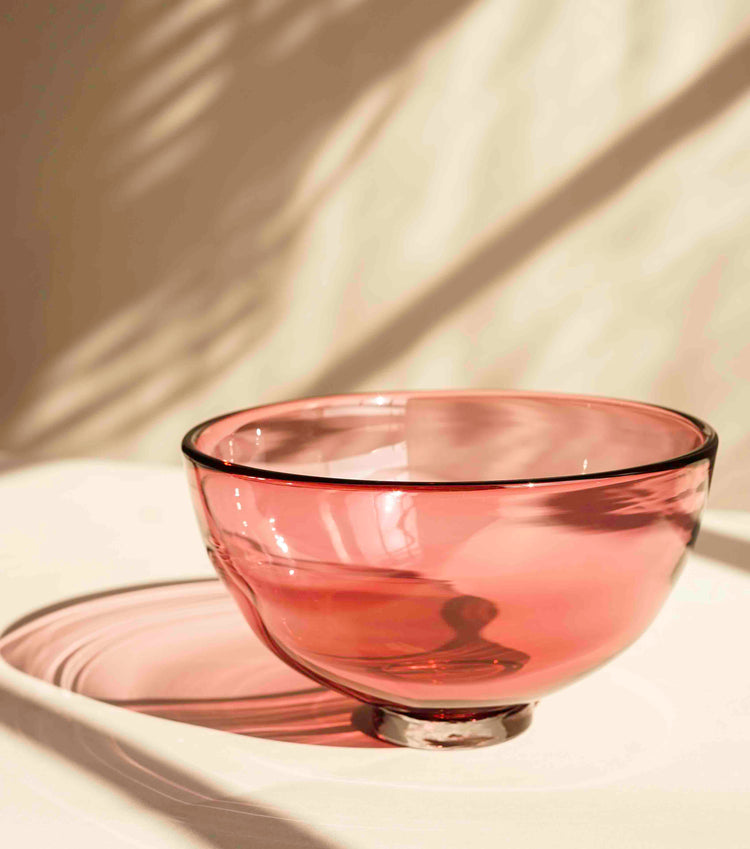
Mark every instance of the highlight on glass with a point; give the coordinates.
(449, 558)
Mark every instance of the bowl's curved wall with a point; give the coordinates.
(463, 597)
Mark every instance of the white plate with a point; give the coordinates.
(652, 751)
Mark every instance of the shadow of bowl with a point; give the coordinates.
(178, 651)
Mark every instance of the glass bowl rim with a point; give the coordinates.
(705, 451)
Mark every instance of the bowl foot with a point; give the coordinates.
(419, 732)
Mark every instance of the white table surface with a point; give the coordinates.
(651, 751)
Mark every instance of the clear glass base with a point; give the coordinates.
(419, 732)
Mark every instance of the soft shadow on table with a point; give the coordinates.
(222, 822)
(181, 651)
(724, 548)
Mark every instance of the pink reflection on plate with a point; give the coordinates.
(179, 651)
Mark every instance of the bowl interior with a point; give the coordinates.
(438, 437)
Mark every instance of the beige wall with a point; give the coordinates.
(209, 204)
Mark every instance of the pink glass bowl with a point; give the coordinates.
(449, 558)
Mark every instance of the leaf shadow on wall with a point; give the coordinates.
(156, 182)
(596, 182)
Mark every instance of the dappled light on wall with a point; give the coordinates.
(214, 204)
(207, 136)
